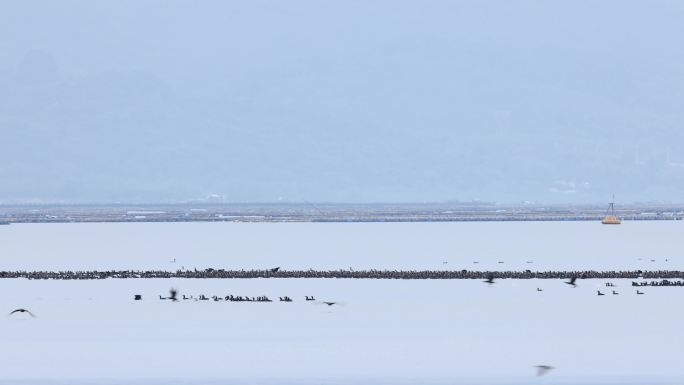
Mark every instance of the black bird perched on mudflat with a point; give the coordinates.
(599, 292)
(538, 289)
(21, 311)
(572, 281)
(490, 278)
(543, 369)
(640, 292)
(615, 292)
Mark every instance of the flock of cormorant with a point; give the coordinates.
(489, 276)
(173, 296)
(664, 282)
(573, 282)
(346, 274)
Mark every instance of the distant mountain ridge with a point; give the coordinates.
(410, 104)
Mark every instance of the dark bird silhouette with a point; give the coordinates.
(599, 292)
(330, 303)
(21, 311)
(615, 292)
(538, 289)
(640, 292)
(543, 369)
(137, 297)
(310, 298)
(173, 293)
(490, 278)
(572, 281)
(275, 269)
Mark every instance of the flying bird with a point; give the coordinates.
(543, 369)
(572, 281)
(275, 269)
(21, 311)
(330, 303)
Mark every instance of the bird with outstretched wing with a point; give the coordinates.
(543, 369)
(173, 294)
(21, 311)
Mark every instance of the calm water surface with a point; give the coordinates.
(548, 245)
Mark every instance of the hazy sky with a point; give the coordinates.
(348, 101)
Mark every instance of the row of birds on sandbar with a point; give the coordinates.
(173, 296)
(598, 292)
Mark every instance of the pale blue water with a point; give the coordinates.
(388, 332)
(550, 245)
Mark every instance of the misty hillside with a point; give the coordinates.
(347, 102)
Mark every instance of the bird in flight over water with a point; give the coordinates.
(572, 281)
(21, 311)
(543, 369)
(329, 303)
